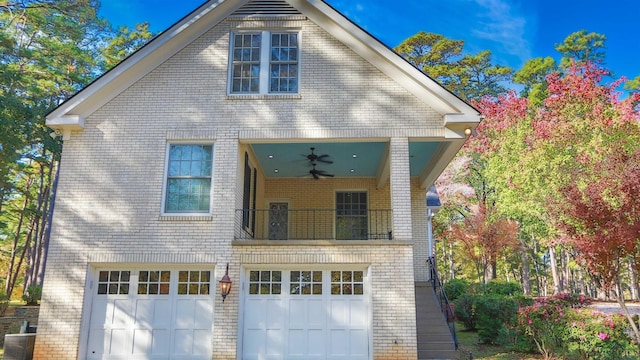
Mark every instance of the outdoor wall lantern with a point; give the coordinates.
(225, 284)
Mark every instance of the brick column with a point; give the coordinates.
(400, 188)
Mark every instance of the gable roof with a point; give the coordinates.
(70, 115)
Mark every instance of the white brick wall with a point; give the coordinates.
(112, 173)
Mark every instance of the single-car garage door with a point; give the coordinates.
(306, 314)
(151, 314)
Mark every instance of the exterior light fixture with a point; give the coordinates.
(468, 131)
(225, 284)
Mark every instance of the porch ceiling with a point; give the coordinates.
(350, 159)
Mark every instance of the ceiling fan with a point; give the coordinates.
(313, 157)
(318, 173)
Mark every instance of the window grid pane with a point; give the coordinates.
(265, 282)
(113, 282)
(246, 63)
(194, 282)
(347, 283)
(283, 75)
(306, 283)
(189, 178)
(153, 282)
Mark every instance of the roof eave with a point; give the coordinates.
(139, 64)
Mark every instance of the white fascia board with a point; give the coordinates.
(142, 62)
(387, 61)
(71, 122)
(440, 159)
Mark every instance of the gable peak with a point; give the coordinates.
(266, 8)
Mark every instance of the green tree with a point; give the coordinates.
(49, 50)
(124, 42)
(468, 76)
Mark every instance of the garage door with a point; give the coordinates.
(306, 314)
(151, 314)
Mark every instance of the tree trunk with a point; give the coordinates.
(564, 266)
(13, 270)
(633, 279)
(526, 281)
(625, 311)
(452, 269)
(557, 284)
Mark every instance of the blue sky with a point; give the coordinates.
(514, 30)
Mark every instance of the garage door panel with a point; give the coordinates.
(118, 343)
(358, 314)
(183, 342)
(151, 322)
(359, 341)
(297, 313)
(254, 313)
(203, 314)
(160, 342)
(185, 313)
(142, 341)
(275, 314)
(202, 342)
(339, 313)
(338, 343)
(317, 314)
(316, 343)
(326, 317)
(119, 312)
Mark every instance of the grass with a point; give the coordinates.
(470, 348)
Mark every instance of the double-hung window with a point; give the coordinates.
(264, 62)
(188, 187)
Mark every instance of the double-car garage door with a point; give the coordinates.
(300, 313)
(306, 314)
(151, 314)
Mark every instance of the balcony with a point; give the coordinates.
(313, 224)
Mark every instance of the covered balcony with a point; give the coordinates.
(341, 191)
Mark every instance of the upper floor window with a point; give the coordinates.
(188, 187)
(264, 62)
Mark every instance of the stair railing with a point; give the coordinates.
(446, 308)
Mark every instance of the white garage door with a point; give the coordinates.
(306, 314)
(151, 314)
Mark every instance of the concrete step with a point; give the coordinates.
(438, 355)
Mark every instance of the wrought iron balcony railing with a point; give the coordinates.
(313, 224)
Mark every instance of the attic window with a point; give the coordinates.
(264, 62)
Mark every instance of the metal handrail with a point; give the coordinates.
(445, 306)
(313, 224)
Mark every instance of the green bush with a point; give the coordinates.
(32, 295)
(454, 288)
(495, 314)
(503, 288)
(465, 310)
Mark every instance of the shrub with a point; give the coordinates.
(465, 310)
(454, 288)
(503, 288)
(495, 315)
(548, 323)
(591, 334)
(32, 295)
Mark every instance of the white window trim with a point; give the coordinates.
(163, 200)
(265, 63)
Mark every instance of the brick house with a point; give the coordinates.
(275, 140)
